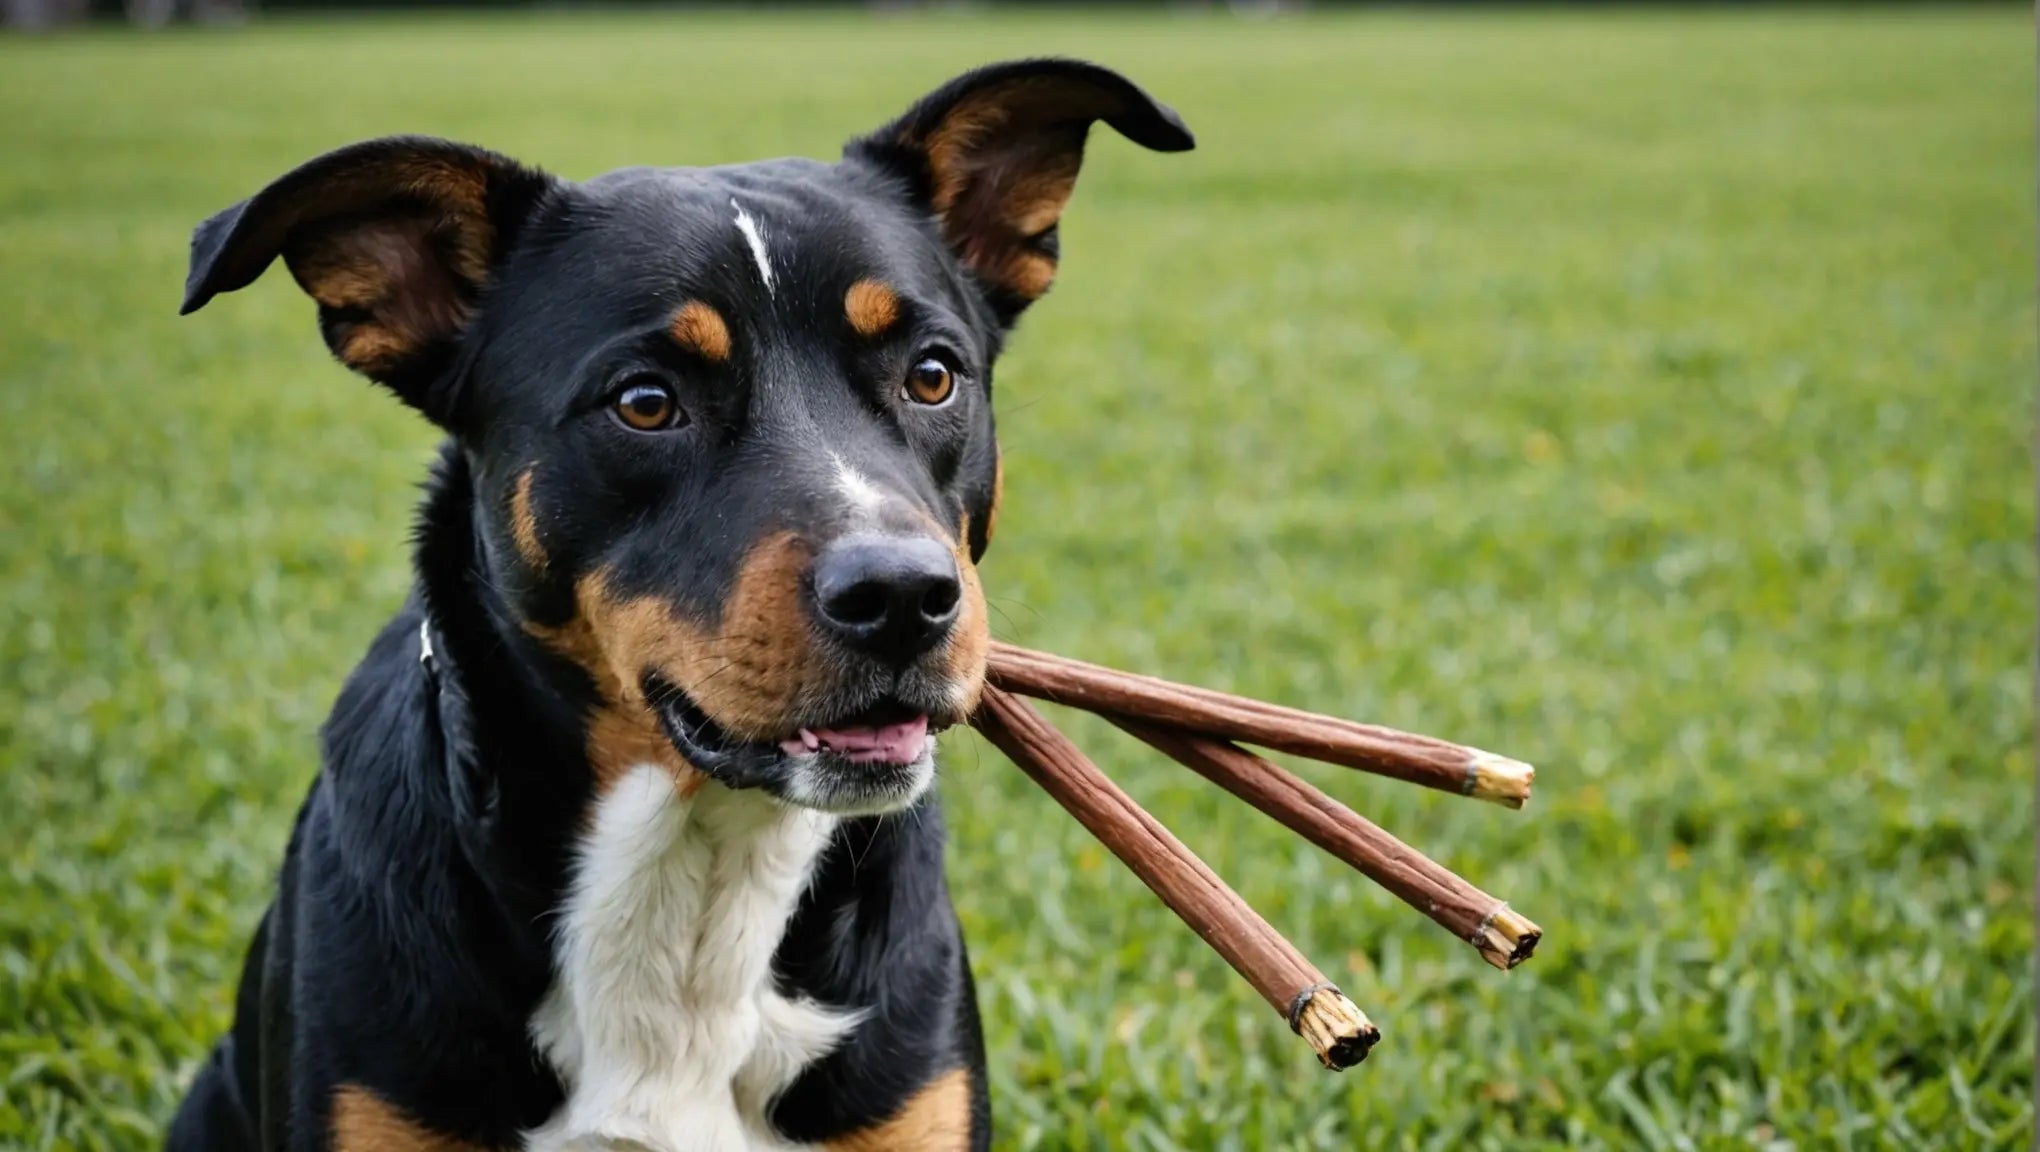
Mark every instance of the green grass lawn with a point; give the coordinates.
(1649, 396)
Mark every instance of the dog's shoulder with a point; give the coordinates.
(877, 928)
(402, 962)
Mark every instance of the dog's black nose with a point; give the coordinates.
(892, 597)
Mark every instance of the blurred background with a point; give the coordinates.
(40, 14)
(1646, 393)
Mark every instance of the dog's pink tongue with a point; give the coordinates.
(900, 743)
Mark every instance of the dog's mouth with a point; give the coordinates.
(877, 758)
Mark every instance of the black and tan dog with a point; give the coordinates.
(624, 836)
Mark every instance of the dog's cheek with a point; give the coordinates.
(981, 511)
(530, 563)
(998, 494)
(623, 736)
(752, 672)
(970, 649)
(613, 642)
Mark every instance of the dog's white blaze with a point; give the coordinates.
(755, 237)
(862, 495)
(662, 1021)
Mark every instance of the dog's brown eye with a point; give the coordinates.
(647, 407)
(930, 382)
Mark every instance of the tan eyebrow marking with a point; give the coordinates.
(700, 329)
(871, 307)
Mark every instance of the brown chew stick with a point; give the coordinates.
(1504, 937)
(1384, 751)
(1335, 1027)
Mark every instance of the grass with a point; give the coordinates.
(1645, 395)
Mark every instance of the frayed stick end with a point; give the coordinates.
(1499, 780)
(1334, 1026)
(1506, 937)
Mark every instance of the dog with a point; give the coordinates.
(624, 835)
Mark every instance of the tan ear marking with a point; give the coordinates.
(700, 329)
(374, 350)
(381, 270)
(871, 308)
(1031, 203)
(1027, 274)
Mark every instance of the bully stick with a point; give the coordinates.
(1316, 1010)
(1384, 751)
(1504, 937)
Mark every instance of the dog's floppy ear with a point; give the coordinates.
(994, 153)
(395, 238)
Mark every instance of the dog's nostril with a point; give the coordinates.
(858, 604)
(940, 599)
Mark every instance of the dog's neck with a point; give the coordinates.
(512, 759)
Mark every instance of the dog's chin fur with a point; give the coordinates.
(839, 787)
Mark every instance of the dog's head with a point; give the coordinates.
(729, 429)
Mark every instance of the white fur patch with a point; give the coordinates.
(662, 1021)
(862, 495)
(755, 237)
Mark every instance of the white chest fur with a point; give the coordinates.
(663, 1022)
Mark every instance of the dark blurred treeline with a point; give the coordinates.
(34, 14)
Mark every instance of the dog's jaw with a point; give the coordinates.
(663, 1021)
(825, 783)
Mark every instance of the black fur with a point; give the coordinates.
(409, 942)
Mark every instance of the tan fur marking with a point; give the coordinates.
(524, 525)
(374, 349)
(623, 736)
(363, 1122)
(1031, 204)
(749, 674)
(1027, 274)
(404, 246)
(386, 271)
(700, 329)
(623, 732)
(1003, 164)
(970, 644)
(461, 193)
(935, 1119)
(871, 307)
(951, 144)
(752, 672)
